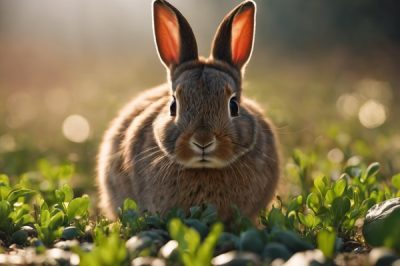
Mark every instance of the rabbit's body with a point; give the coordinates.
(187, 142)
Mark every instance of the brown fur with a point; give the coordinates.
(147, 155)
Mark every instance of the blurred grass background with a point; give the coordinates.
(327, 73)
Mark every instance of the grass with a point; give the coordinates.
(39, 210)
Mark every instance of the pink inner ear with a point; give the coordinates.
(167, 35)
(242, 36)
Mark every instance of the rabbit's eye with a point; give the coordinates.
(172, 107)
(233, 106)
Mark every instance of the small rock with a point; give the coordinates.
(37, 242)
(360, 250)
(309, 257)
(350, 245)
(30, 230)
(169, 249)
(67, 244)
(351, 259)
(60, 257)
(382, 257)
(13, 247)
(235, 258)
(88, 235)
(148, 261)
(277, 262)
(87, 247)
(136, 244)
(381, 225)
(70, 232)
(6, 259)
(19, 237)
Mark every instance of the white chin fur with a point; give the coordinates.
(210, 162)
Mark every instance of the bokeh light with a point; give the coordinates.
(66, 72)
(76, 128)
(335, 155)
(348, 105)
(372, 114)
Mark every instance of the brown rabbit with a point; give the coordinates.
(195, 139)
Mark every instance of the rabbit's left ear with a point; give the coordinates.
(233, 41)
(173, 35)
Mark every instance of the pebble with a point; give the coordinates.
(235, 258)
(381, 224)
(169, 249)
(67, 244)
(148, 261)
(382, 257)
(136, 243)
(58, 256)
(30, 230)
(307, 258)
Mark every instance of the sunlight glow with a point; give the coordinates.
(372, 114)
(335, 155)
(76, 128)
(347, 105)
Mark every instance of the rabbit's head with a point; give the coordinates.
(204, 124)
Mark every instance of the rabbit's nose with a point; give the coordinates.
(203, 146)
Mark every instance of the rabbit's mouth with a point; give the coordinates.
(204, 161)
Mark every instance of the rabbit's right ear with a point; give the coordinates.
(174, 37)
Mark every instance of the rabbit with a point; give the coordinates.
(194, 140)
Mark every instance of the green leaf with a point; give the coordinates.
(209, 215)
(17, 193)
(4, 181)
(340, 186)
(372, 170)
(353, 171)
(129, 204)
(78, 207)
(206, 249)
(396, 181)
(68, 193)
(299, 158)
(195, 212)
(44, 218)
(56, 221)
(24, 220)
(320, 184)
(329, 197)
(5, 209)
(340, 206)
(309, 220)
(313, 202)
(295, 203)
(252, 240)
(60, 196)
(276, 218)
(188, 240)
(326, 242)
